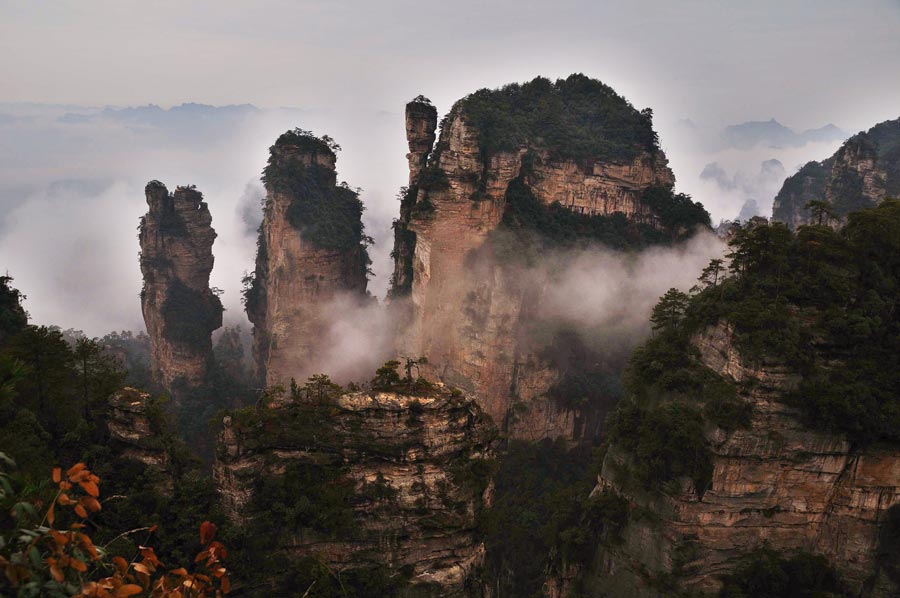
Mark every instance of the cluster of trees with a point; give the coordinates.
(327, 214)
(575, 118)
(543, 517)
(190, 315)
(820, 301)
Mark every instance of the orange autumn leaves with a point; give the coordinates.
(66, 559)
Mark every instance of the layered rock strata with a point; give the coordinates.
(413, 469)
(310, 251)
(131, 429)
(180, 310)
(865, 170)
(776, 483)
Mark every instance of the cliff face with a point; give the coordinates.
(421, 122)
(776, 483)
(131, 430)
(310, 250)
(405, 475)
(865, 170)
(180, 310)
(470, 315)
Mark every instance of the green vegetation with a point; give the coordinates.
(12, 317)
(766, 573)
(666, 443)
(819, 301)
(888, 555)
(677, 213)
(328, 215)
(808, 184)
(189, 315)
(542, 515)
(574, 118)
(529, 227)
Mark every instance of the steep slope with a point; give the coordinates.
(377, 487)
(865, 170)
(180, 310)
(311, 249)
(507, 161)
(763, 416)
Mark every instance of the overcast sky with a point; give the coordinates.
(802, 61)
(347, 68)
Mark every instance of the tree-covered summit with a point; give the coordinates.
(575, 118)
(327, 214)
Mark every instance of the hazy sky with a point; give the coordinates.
(71, 186)
(803, 61)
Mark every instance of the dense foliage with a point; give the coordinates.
(822, 302)
(574, 118)
(327, 215)
(190, 315)
(767, 574)
(48, 546)
(543, 515)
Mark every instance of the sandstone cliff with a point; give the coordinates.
(311, 249)
(774, 483)
(388, 480)
(131, 429)
(471, 313)
(865, 170)
(180, 310)
(421, 122)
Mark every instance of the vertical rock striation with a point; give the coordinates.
(776, 483)
(180, 310)
(470, 316)
(421, 122)
(865, 170)
(311, 249)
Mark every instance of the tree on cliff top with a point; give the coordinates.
(575, 118)
(327, 214)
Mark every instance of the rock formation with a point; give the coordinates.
(180, 310)
(311, 249)
(131, 429)
(400, 476)
(470, 316)
(865, 170)
(776, 483)
(421, 123)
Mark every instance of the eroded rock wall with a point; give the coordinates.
(414, 466)
(470, 314)
(180, 310)
(776, 483)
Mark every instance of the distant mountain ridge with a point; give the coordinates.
(772, 133)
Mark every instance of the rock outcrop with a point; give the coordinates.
(470, 315)
(865, 170)
(311, 250)
(180, 310)
(405, 476)
(776, 483)
(421, 123)
(131, 429)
